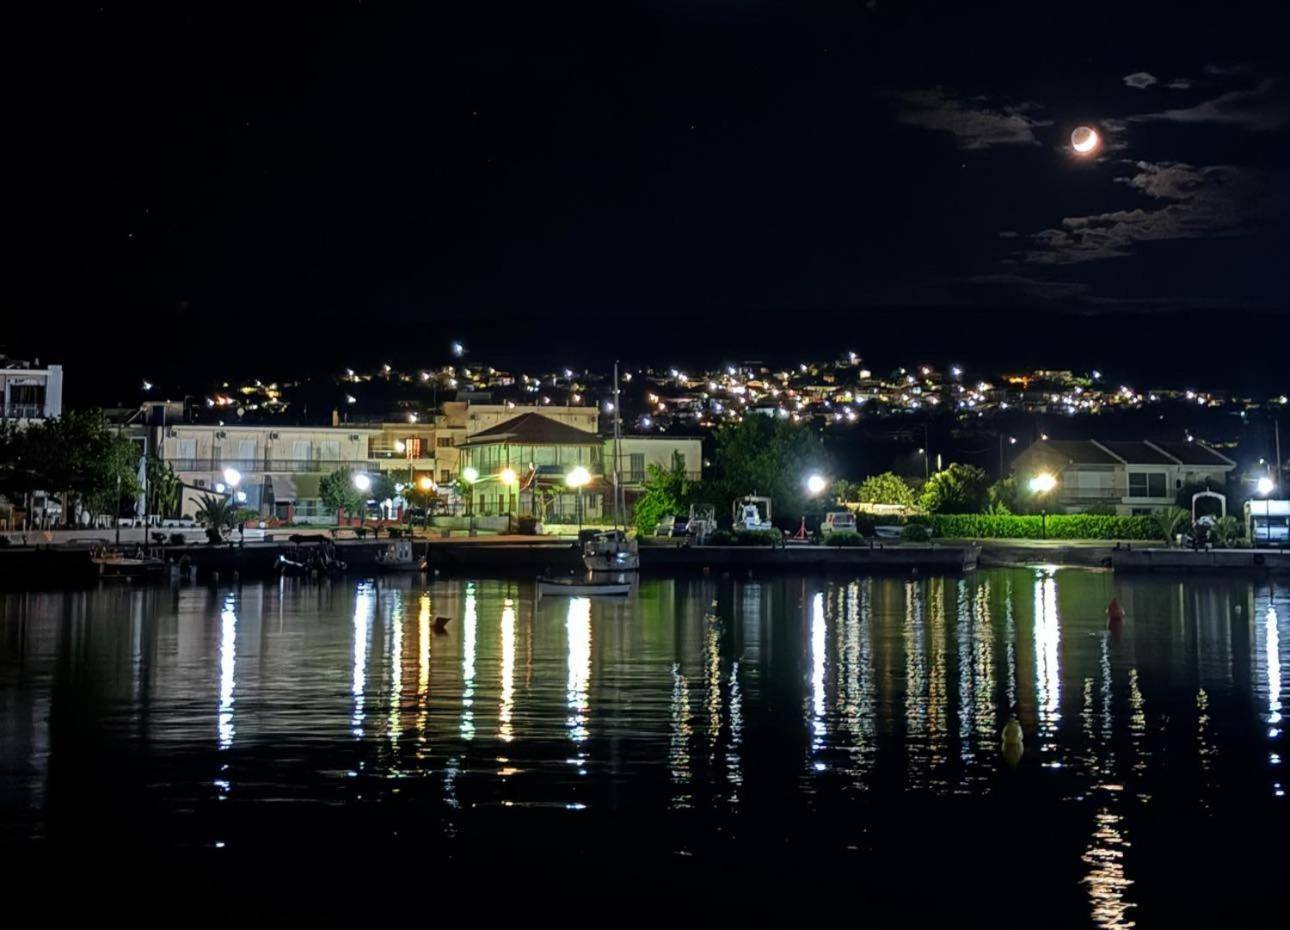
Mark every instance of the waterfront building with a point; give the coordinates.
(1131, 477)
(29, 392)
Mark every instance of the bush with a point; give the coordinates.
(721, 538)
(844, 538)
(360, 532)
(758, 538)
(177, 539)
(1060, 526)
(916, 532)
(526, 524)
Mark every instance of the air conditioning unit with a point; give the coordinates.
(221, 435)
(353, 437)
(273, 436)
(170, 432)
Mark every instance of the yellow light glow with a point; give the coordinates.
(508, 476)
(1042, 483)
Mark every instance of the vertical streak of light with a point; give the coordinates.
(734, 762)
(1010, 633)
(227, 667)
(578, 625)
(396, 668)
(817, 675)
(1048, 682)
(712, 661)
(423, 666)
(506, 705)
(915, 683)
(364, 608)
(469, 631)
(1272, 644)
(679, 751)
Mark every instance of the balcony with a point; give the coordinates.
(271, 466)
(22, 411)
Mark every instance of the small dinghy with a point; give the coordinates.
(581, 587)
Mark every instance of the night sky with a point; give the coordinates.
(254, 190)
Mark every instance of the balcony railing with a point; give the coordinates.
(280, 466)
(22, 411)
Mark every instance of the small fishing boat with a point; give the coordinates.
(582, 587)
(117, 565)
(611, 551)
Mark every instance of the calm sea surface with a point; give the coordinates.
(841, 735)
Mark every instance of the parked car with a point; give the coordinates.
(838, 521)
(671, 526)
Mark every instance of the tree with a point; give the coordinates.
(219, 514)
(338, 492)
(845, 490)
(1003, 497)
(667, 491)
(164, 487)
(77, 456)
(1172, 521)
(956, 489)
(887, 488)
(773, 457)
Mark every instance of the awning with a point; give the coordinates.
(284, 489)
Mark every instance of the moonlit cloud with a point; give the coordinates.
(1179, 84)
(1264, 108)
(1220, 200)
(1140, 80)
(973, 122)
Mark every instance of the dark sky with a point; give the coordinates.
(323, 183)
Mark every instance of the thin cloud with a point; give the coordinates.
(1220, 200)
(1139, 80)
(1180, 84)
(1239, 67)
(1264, 108)
(973, 123)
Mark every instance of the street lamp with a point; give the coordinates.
(816, 484)
(363, 484)
(1040, 485)
(1265, 485)
(470, 474)
(577, 479)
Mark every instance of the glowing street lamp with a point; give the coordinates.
(362, 482)
(232, 477)
(425, 483)
(577, 479)
(816, 484)
(1040, 485)
(508, 477)
(1265, 485)
(470, 474)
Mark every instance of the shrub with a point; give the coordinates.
(916, 532)
(177, 539)
(721, 538)
(844, 538)
(956, 489)
(360, 532)
(526, 524)
(887, 488)
(1059, 526)
(758, 538)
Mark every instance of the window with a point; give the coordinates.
(1146, 484)
(246, 454)
(636, 467)
(300, 451)
(445, 476)
(185, 454)
(329, 450)
(443, 442)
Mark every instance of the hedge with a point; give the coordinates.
(1059, 526)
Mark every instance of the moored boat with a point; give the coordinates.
(582, 587)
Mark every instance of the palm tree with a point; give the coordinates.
(217, 514)
(1172, 521)
(163, 487)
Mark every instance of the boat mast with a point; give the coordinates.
(618, 452)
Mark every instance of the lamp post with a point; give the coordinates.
(470, 475)
(509, 479)
(1040, 485)
(362, 484)
(577, 479)
(426, 484)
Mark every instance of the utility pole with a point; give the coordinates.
(1276, 424)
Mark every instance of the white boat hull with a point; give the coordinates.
(549, 588)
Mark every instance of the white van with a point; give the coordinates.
(839, 521)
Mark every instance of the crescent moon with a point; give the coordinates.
(1084, 139)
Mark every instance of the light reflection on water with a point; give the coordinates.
(697, 700)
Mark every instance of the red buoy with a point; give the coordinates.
(1114, 612)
